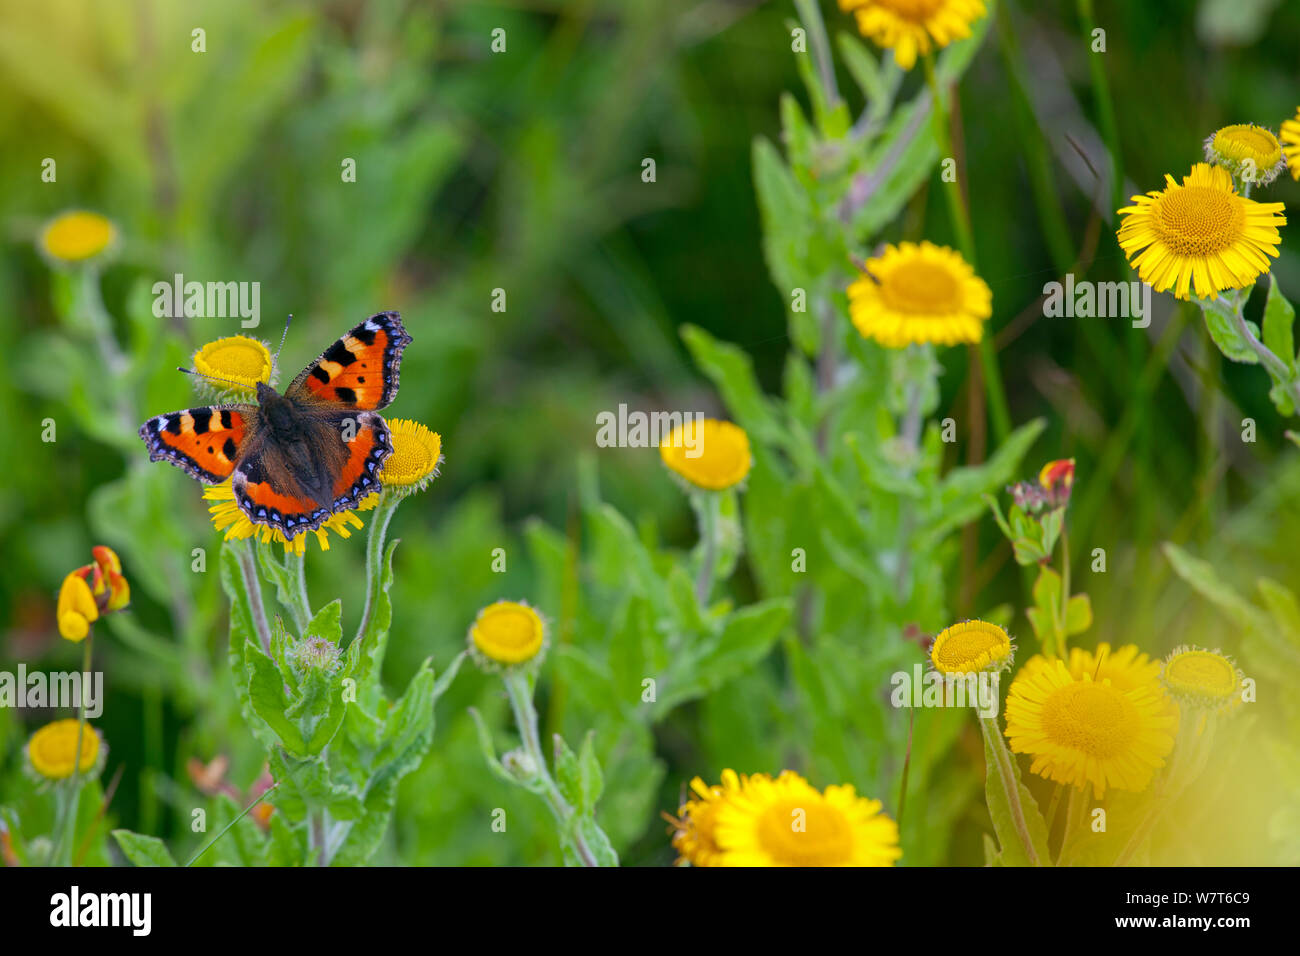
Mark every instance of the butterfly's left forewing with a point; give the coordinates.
(207, 442)
(360, 370)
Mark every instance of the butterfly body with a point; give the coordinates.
(295, 459)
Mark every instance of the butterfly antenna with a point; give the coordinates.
(284, 336)
(214, 378)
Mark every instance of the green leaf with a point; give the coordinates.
(1279, 317)
(143, 850)
(267, 698)
(590, 775)
(567, 774)
(1078, 615)
(1202, 576)
(999, 805)
(1223, 330)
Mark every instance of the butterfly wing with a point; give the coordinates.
(297, 487)
(207, 442)
(360, 370)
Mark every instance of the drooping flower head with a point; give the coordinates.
(1083, 730)
(1050, 491)
(417, 453)
(77, 236)
(1209, 681)
(788, 822)
(970, 647)
(708, 454)
(507, 634)
(1251, 153)
(911, 28)
(1291, 144)
(51, 751)
(914, 294)
(1200, 235)
(91, 591)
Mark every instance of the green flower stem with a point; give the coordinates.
(226, 829)
(959, 215)
(253, 589)
(1232, 311)
(68, 830)
(811, 15)
(1191, 751)
(706, 507)
(1006, 772)
(376, 540)
(521, 702)
(1065, 586)
(299, 602)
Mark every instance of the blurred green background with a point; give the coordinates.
(522, 171)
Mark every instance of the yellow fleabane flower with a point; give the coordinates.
(50, 751)
(417, 452)
(709, 454)
(788, 822)
(1291, 144)
(1200, 235)
(914, 294)
(970, 647)
(912, 28)
(77, 236)
(507, 633)
(1081, 730)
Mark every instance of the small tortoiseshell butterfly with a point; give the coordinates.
(297, 458)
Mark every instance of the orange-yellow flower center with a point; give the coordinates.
(52, 747)
(805, 833)
(1091, 717)
(508, 632)
(918, 286)
(1202, 672)
(1198, 220)
(918, 11)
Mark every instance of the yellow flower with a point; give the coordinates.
(1291, 144)
(89, 591)
(709, 454)
(971, 646)
(787, 822)
(77, 236)
(1251, 153)
(50, 750)
(1126, 668)
(915, 294)
(912, 27)
(1200, 233)
(228, 516)
(77, 609)
(694, 837)
(507, 632)
(237, 360)
(1206, 680)
(1081, 730)
(417, 452)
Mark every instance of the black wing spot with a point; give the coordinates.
(226, 421)
(367, 336)
(174, 423)
(339, 354)
(361, 379)
(321, 374)
(202, 419)
(346, 394)
(228, 449)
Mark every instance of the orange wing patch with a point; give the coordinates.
(206, 442)
(367, 452)
(360, 370)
